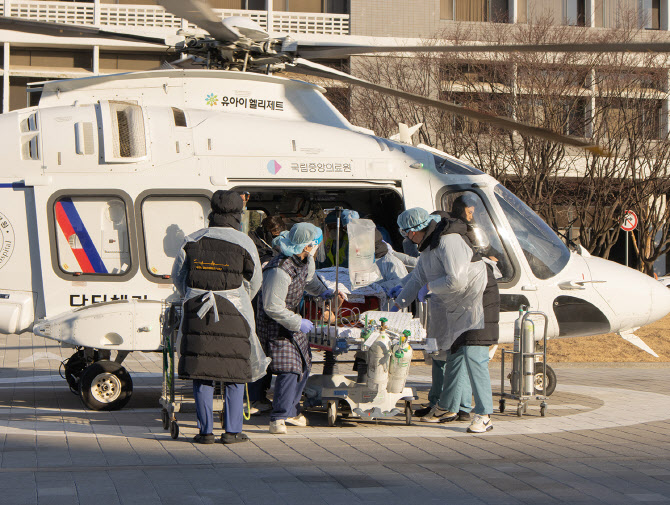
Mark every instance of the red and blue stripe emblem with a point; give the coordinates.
(71, 224)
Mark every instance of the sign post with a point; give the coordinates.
(628, 225)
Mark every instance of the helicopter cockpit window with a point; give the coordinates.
(447, 166)
(166, 220)
(545, 252)
(92, 235)
(468, 206)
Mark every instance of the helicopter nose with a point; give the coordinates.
(636, 299)
(660, 300)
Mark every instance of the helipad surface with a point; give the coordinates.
(606, 439)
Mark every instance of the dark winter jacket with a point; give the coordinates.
(219, 264)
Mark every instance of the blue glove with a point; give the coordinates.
(306, 326)
(395, 291)
(395, 308)
(423, 292)
(328, 294)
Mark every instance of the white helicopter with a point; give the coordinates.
(105, 176)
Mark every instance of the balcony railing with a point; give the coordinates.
(155, 17)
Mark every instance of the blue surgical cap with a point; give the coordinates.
(299, 237)
(348, 215)
(415, 219)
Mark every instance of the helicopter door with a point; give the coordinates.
(164, 221)
(473, 206)
(89, 250)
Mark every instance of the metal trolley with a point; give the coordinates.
(523, 369)
(177, 394)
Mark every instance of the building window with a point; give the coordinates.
(575, 12)
(337, 6)
(651, 14)
(446, 9)
(496, 11)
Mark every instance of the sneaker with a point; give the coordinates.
(480, 424)
(463, 416)
(234, 438)
(299, 420)
(423, 411)
(201, 438)
(259, 407)
(438, 415)
(278, 427)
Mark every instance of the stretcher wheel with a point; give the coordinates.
(174, 430)
(408, 413)
(543, 409)
(501, 406)
(519, 410)
(332, 413)
(165, 419)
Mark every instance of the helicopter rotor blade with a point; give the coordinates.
(201, 14)
(303, 66)
(67, 30)
(316, 50)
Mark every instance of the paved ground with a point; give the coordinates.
(605, 440)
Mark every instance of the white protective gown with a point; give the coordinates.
(456, 286)
(393, 268)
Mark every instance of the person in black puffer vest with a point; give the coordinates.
(217, 273)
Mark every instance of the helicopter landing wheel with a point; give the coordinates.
(332, 413)
(105, 385)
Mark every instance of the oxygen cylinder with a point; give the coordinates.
(516, 362)
(378, 361)
(400, 361)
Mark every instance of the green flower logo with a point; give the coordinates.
(211, 99)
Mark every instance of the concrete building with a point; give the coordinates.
(31, 57)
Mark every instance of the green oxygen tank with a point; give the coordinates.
(378, 360)
(401, 359)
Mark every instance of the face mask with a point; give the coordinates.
(313, 251)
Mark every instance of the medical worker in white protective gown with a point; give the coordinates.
(456, 279)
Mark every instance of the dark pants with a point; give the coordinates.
(258, 391)
(203, 393)
(288, 391)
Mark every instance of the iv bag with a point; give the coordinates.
(361, 233)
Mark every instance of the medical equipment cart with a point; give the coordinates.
(524, 361)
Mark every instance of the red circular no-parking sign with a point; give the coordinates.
(629, 221)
